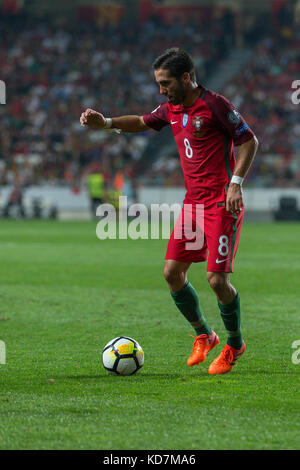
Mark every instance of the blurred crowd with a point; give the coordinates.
(53, 73)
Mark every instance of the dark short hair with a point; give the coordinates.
(177, 61)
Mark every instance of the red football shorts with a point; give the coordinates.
(206, 234)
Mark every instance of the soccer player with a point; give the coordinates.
(206, 126)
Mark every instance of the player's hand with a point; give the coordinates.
(92, 119)
(234, 201)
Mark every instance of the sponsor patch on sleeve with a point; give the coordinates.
(234, 117)
(242, 129)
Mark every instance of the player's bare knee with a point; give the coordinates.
(217, 281)
(170, 275)
(174, 278)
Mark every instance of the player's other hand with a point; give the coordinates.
(234, 202)
(92, 119)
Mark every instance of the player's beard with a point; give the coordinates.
(178, 96)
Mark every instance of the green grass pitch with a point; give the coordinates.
(65, 294)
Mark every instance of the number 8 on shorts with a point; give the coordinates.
(223, 245)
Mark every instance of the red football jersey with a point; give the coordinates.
(205, 134)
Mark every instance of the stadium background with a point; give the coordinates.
(58, 58)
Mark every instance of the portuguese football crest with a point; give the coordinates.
(185, 120)
(197, 124)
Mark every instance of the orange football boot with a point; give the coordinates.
(202, 345)
(226, 360)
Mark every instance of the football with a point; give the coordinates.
(123, 356)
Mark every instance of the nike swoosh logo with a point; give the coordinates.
(218, 261)
(173, 122)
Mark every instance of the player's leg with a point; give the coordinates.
(223, 232)
(178, 258)
(184, 295)
(186, 300)
(229, 305)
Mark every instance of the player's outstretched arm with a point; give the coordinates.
(95, 120)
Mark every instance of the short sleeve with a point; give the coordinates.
(231, 120)
(158, 118)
